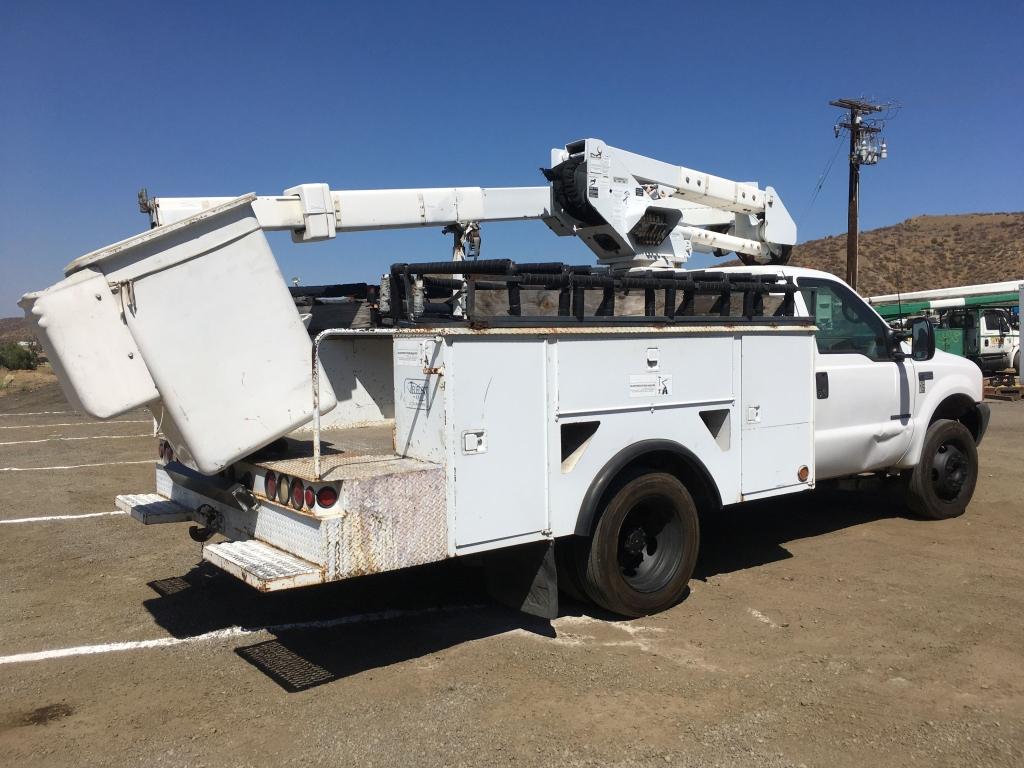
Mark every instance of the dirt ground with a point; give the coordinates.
(17, 382)
(826, 629)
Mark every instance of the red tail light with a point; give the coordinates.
(298, 493)
(310, 496)
(326, 497)
(270, 485)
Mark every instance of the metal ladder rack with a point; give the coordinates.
(423, 294)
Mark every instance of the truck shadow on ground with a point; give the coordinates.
(752, 534)
(326, 633)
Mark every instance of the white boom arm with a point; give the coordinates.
(630, 210)
(315, 212)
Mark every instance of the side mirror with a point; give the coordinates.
(922, 335)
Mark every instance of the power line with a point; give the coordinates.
(821, 181)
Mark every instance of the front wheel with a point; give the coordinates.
(942, 483)
(644, 547)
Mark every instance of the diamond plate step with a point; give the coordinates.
(262, 566)
(152, 509)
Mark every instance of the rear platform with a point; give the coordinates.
(348, 453)
(389, 511)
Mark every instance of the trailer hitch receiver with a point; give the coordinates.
(210, 518)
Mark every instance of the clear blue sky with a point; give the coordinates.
(217, 98)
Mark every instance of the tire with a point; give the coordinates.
(644, 547)
(943, 482)
(1016, 360)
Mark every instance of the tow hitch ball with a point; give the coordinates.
(210, 517)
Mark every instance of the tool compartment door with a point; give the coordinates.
(498, 394)
(777, 411)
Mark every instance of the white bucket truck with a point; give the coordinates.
(556, 420)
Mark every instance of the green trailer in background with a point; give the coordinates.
(979, 322)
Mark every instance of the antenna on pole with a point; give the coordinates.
(867, 147)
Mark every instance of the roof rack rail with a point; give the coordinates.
(444, 293)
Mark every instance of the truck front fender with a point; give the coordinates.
(952, 390)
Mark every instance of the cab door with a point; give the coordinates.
(996, 338)
(864, 397)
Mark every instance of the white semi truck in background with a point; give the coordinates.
(570, 424)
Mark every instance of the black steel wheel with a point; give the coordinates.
(942, 483)
(644, 547)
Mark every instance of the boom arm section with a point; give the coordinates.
(635, 211)
(631, 211)
(315, 212)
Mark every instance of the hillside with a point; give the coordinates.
(927, 252)
(14, 329)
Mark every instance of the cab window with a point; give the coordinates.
(845, 323)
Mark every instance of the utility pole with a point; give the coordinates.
(866, 148)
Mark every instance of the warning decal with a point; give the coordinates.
(650, 385)
(408, 357)
(415, 393)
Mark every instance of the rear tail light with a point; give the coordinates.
(326, 497)
(160, 449)
(310, 496)
(270, 485)
(284, 489)
(298, 494)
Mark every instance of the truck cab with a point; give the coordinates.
(874, 401)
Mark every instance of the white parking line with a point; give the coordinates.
(40, 413)
(229, 632)
(51, 518)
(76, 466)
(72, 424)
(87, 437)
(762, 618)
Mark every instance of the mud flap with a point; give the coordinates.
(524, 578)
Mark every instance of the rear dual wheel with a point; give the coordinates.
(643, 550)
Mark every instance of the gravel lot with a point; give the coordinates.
(826, 629)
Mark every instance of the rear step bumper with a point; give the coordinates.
(151, 509)
(257, 563)
(382, 524)
(262, 566)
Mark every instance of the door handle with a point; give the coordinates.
(821, 384)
